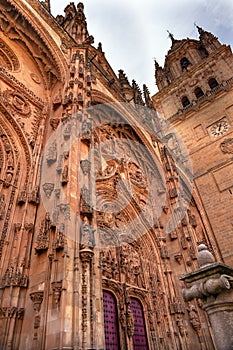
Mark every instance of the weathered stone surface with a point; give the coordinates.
(113, 211)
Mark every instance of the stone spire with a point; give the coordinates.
(156, 64)
(75, 23)
(171, 36)
(207, 39)
(125, 85)
(203, 33)
(147, 97)
(160, 76)
(123, 78)
(175, 43)
(46, 4)
(138, 100)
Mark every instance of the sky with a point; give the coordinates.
(134, 32)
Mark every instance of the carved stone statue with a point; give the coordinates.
(85, 201)
(52, 153)
(130, 322)
(87, 235)
(194, 318)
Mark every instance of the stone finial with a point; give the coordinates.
(171, 36)
(200, 29)
(46, 4)
(137, 94)
(147, 97)
(75, 23)
(204, 256)
(156, 64)
(122, 77)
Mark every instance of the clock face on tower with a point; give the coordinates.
(219, 128)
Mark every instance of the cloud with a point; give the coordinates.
(133, 32)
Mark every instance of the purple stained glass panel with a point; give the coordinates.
(139, 337)
(110, 322)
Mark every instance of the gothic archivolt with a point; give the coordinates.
(46, 54)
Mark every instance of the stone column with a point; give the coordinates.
(86, 256)
(213, 283)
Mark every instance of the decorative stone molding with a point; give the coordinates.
(57, 289)
(11, 312)
(48, 189)
(9, 59)
(86, 255)
(13, 278)
(16, 84)
(37, 299)
(22, 197)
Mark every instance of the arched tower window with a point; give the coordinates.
(139, 338)
(198, 92)
(184, 62)
(212, 83)
(203, 52)
(185, 101)
(111, 329)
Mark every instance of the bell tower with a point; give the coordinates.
(196, 97)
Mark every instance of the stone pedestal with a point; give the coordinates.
(220, 313)
(213, 283)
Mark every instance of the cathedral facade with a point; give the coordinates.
(106, 192)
